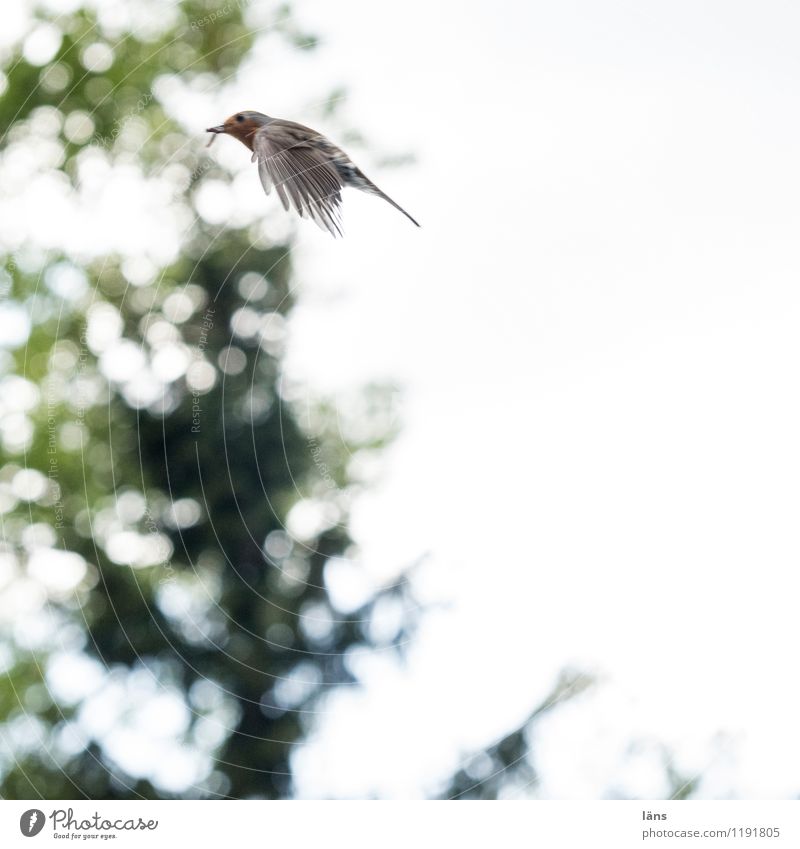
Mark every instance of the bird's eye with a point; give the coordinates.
(240, 118)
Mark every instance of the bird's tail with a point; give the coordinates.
(368, 186)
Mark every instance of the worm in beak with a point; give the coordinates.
(215, 131)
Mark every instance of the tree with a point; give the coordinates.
(508, 765)
(168, 509)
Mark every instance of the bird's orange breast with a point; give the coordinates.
(242, 130)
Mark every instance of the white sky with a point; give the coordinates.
(596, 330)
(596, 335)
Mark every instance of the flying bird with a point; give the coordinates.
(306, 170)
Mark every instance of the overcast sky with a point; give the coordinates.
(596, 332)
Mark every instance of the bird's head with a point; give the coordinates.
(241, 125)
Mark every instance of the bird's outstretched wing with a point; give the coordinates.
(298, 163)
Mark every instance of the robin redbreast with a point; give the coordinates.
(306, 169)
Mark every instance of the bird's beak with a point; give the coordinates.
(216, 131)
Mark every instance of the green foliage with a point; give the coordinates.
(507, 766)
(144, 516)
(154, 576)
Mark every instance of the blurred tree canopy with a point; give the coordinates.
(170, 508)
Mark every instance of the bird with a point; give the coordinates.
(306, 169)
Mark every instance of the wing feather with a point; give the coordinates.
(291, 160)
